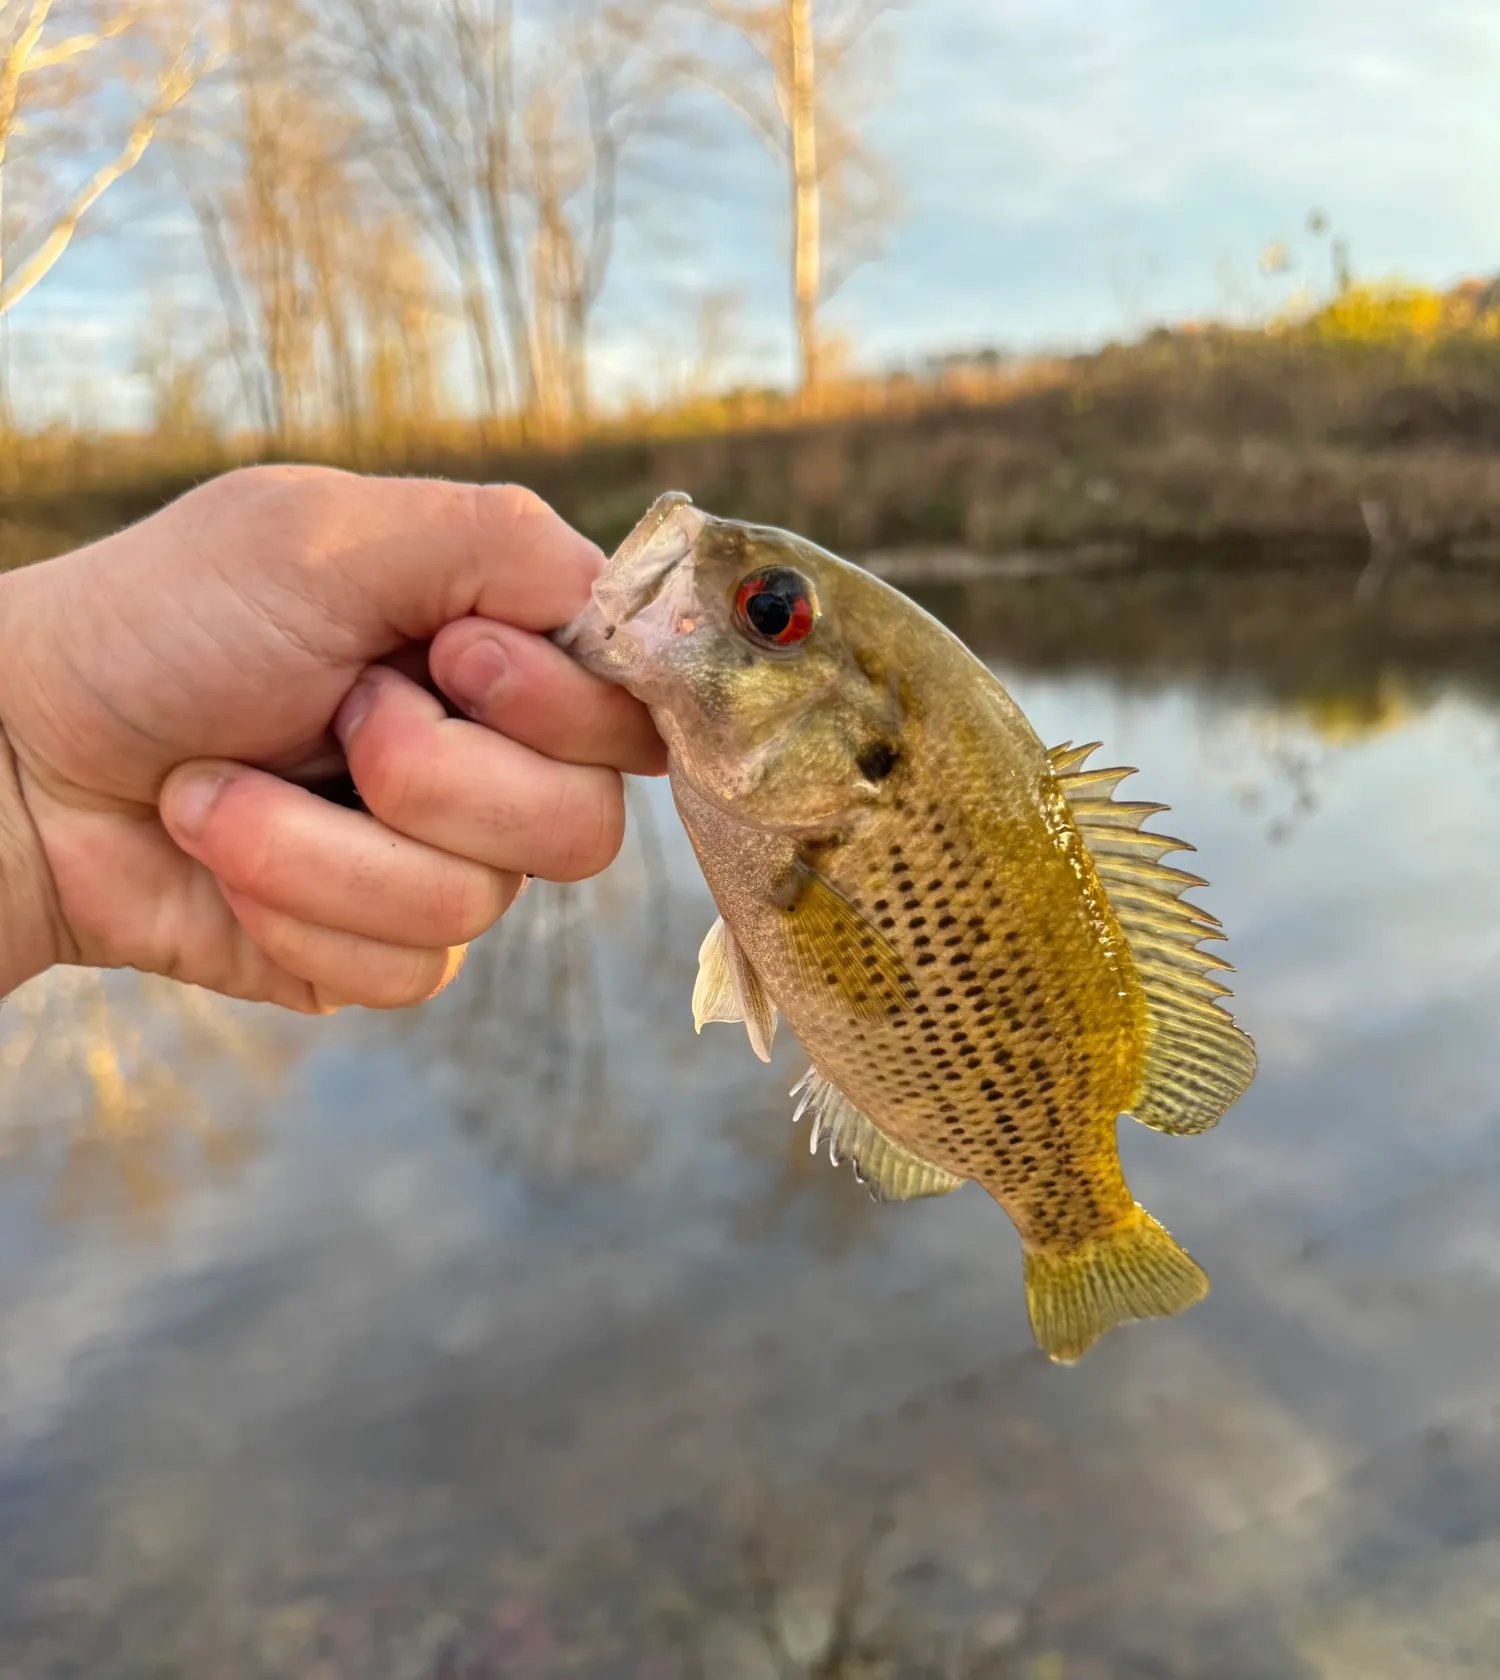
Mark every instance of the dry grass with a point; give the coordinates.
(1238, 438)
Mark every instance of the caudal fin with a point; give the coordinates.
(1136, 1271)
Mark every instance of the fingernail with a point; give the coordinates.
(352, 712)
(478, 672)
(193, 802)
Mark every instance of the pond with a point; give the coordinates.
(520, 1336)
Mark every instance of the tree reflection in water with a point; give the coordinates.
(521, 1043)
(826, 1206)
(123, 1090)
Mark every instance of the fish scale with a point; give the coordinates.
(979, 1068)
(976, 942)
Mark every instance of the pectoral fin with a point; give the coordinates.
(728, 989)
(837, 949)
(891, 1173)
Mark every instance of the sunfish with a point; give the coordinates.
(974, 940)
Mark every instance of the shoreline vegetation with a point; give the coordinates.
(1368, 428)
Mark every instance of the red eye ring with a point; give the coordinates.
(776, 606)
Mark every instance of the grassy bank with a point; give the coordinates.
(1243, 442)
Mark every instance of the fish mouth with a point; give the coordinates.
(642, 597)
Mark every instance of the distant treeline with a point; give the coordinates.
(1312, 437)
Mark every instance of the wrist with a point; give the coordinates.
(28, 940)
(28, 920)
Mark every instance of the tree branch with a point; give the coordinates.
(72, 46)
(765, 124)
(14, 65)
(841, 42)
(174, 85)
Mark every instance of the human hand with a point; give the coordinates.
(165, 691)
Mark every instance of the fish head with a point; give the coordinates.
(759, 659)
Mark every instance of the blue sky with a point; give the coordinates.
(1070, 170)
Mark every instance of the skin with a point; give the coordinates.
(166, 695)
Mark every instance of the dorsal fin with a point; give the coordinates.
(891, 1173)
(1197, 1060)
(728, 989)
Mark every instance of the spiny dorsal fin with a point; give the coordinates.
(1197, 1060)
(728, 989)
(889, 1171)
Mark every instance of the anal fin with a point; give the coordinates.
(891, 1173)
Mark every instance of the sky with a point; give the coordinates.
(1069, 171)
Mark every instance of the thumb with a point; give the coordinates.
(405, 556)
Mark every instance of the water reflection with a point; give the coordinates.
(122, 1090)
(533, 1343)
(524, 1047)
(788, 1191)
(1291, 636)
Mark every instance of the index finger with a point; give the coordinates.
(522, 686)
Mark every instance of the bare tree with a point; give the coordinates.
(800, 106)
(440, 71)
(175, 370)
(57, 60)
(587, 102)
(506, 127)
(405, 330)
(240, 334)
(318, 275)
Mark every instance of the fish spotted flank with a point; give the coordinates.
(977, 943)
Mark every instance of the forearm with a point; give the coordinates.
(27, 939)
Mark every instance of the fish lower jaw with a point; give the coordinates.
(589, 640)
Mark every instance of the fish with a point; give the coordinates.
(976, 942)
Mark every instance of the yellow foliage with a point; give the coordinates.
(1387, 311)
(1343, 718)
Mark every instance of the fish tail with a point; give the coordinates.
(1074, 1295)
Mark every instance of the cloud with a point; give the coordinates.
(1047, 148)
(1068, 171)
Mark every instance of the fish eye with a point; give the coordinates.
(776, 605)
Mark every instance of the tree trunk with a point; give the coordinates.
(238, 321)
(579, 398)
(477, 315)
(806, 237)
(323, 239)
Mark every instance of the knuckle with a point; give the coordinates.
(250, 842)
(254, 486)
(318, 1001)
(389, 769)
(286, 508)
(343, 969)
(290, 942)
(513, 521)
(407, 977)
(511, 505)
(486, 901)
(466, 901)
(589, 827)
(271, 475)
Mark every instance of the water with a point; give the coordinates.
(520, 1337)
